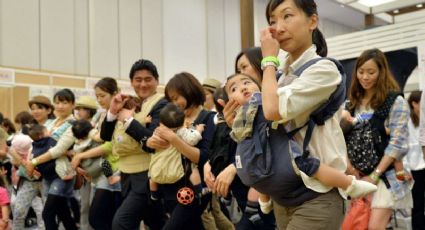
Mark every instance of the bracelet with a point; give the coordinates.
(34, 162)
(378, 172)
(374, 177)
(268, 63)
(273, 59)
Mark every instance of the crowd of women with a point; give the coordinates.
(87, 165)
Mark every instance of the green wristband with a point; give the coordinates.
(273, 59)
(374, 177)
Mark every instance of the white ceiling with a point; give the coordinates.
(352, 13)
(343, 15)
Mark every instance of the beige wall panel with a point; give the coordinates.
(69, 82)
(32, 79)
(20, 99)
(6, 105)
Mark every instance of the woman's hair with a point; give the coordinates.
(81, 129)
(8, 124)
(309, 7)
(64, 95)
(187, 86)
(107, 84)
(171, 116)
(254, 56)
(24, 118)
(384, 84)
(415, 96)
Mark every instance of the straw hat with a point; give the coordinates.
(86, 102)
(211, 84)
(40, 100)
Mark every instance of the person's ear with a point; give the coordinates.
(314, 22)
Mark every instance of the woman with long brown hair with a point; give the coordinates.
(372, 88)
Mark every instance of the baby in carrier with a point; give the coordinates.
(246, 91)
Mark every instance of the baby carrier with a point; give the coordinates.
(264, 161)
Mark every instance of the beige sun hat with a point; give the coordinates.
(86, 102)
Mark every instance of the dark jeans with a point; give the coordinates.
(136, 205)
(57, 206)
(418, 191)
(74, 204)
(103, 207)
(185, 217)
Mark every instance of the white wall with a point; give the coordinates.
(328, 27)
(331, 28)
(104, 37)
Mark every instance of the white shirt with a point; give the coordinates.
(304, 95)
(414, 158)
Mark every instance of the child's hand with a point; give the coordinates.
(165, 133)
(387, 130)
(345, 115)
(200, 128)
(36, 174)
(125, 114)
(148, 119)
(70, 153)
(75, 161)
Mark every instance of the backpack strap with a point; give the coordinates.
(327, 109)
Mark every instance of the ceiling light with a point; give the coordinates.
(419, 5)
(372, 3)
(396, 11)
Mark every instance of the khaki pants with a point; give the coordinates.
(323, 212)
(213, 218)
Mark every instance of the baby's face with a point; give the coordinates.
(240, 88)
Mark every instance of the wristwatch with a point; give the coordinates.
(268, 63)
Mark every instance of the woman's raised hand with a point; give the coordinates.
(269, 44)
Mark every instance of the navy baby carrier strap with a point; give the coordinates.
(327, 109)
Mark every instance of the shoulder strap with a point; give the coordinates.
(384, 110)
(203, 117)
(327, 109)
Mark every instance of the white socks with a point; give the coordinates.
(266, 207)
(360, 188)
